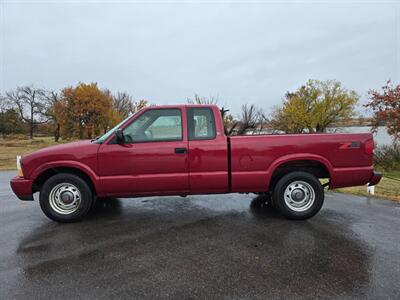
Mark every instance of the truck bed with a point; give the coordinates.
(255, 158)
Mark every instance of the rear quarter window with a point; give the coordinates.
(201, 124)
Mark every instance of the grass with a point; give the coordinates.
(13, 146)
(388, 188)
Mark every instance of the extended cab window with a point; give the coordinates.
(155, 125)
(201, 124)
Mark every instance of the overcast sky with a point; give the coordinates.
(165, 52)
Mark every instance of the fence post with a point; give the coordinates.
(371, 190)
(18, 162)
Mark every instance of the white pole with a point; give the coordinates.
(18, 162)
(371, 190)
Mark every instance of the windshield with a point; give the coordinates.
(103, 138)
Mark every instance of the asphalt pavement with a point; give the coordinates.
(202, 247)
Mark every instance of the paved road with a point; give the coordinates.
(200, 247)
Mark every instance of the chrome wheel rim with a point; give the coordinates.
(65, 198)
(299, 196)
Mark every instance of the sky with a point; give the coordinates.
(165, 51)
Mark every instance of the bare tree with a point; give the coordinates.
(31, 105)
(227, 119)
(203, 100)
(262, 121)
(251, 117)
(123, 103)
(138, 105)
(3, 102)
(52, 101)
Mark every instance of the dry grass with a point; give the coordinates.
(13, 146)
(387, 188)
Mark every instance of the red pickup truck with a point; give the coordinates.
(183, 150)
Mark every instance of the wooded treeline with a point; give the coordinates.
(85, 110)
(79, 112)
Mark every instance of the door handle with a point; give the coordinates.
(180, 150)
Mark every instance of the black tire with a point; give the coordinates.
(75, 183)
(269, 201)
(263, 200)
(307, 184)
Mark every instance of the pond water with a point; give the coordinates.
(381, 137)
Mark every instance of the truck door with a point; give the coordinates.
(208, 152)
(152, 160)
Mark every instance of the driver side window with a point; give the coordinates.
(155, 125)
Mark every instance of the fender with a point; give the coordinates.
(69, 164)
(294, 157)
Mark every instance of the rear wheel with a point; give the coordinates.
(298, 195)
(66, 198)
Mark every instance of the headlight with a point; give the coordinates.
(19, 168)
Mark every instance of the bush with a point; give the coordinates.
(11, 123)
(387, 157)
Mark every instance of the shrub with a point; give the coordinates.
(387, 157)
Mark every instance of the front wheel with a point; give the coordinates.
(66, 198)
(298, 195)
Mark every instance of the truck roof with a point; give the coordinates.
(182, 105)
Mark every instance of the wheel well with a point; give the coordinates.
(41, 179)
(313, 167)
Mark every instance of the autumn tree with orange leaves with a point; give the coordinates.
(386, 107)
(85, 111)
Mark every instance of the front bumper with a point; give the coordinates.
(22, 188)
(375, 178)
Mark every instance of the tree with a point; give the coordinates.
(125, 106)
(314, 107)
(11, 122)
(3, 102)
(386, 107)
(84, 108)
(31, 105)
(212, 100)
(138, 105)
(228, 120)
(251, 117)
(52, 111)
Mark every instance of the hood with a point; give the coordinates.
(68, 148)
(81, 151)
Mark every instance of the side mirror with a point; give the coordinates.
(120, 136)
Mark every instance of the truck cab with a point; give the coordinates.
(166, 150)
